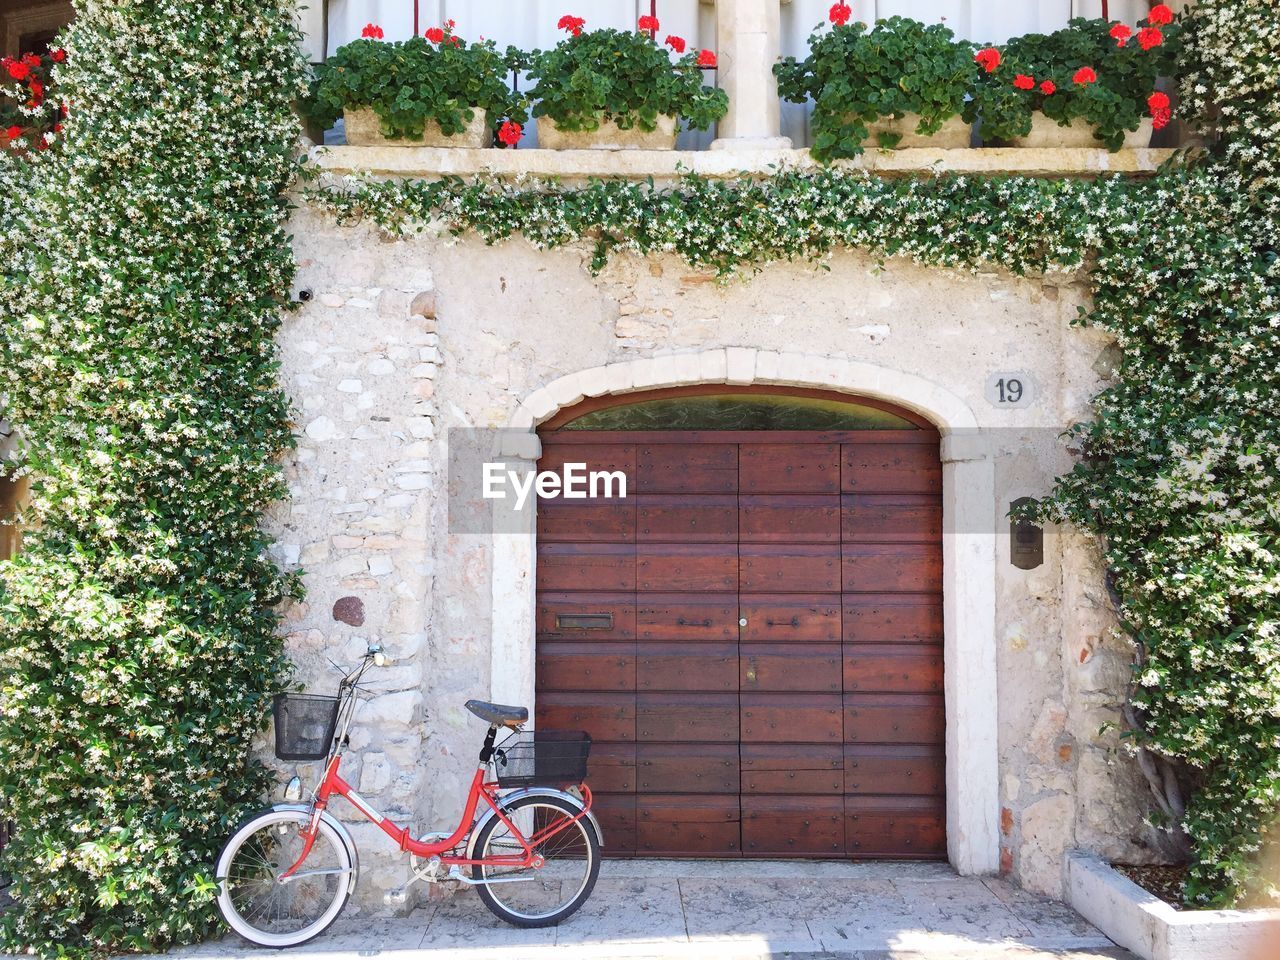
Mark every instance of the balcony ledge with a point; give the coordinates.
(577, 165)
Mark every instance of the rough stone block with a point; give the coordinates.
(540, 404)
(322, 429)
(715, 366)
(424, 305)
(620, 377)
(349, 610)
(767, 366)
(740, 365)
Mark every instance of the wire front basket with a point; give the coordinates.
(304, 725)
(542, 758)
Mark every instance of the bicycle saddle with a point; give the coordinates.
(498, 714)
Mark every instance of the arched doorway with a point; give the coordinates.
(754, 635)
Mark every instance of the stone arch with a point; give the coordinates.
(969, 555)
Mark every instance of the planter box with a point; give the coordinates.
(1079, 133)
(1145, 924)
(953, 135)
(364, 130)
(608, 136)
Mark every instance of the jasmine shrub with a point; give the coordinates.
(144, 265)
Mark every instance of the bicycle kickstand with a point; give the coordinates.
(428, 873)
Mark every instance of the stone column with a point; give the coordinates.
(310, 18)
(747, 47)
(969, 525)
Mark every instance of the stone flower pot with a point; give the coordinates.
(608, 136)
(1046, 133)
(1137, 139)
(953, 135)
(364, 130)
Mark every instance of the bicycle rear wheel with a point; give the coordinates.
(271, 913)
(539, 896)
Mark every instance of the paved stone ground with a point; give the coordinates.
(705, 910)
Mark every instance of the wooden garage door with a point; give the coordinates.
(753, 637)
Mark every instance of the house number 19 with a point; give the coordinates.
(1009, 389)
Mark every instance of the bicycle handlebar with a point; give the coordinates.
(374, 657)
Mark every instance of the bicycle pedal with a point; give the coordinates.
(397, 897)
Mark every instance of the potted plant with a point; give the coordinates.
(899, 84)
(435, 90)
(1089, 84)
(30, 115)
(620, 89)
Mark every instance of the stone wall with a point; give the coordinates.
(405, 339)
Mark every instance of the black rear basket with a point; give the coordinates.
(542, 758)
(304, 725)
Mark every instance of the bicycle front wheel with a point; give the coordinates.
(274, 913)
(539, 896)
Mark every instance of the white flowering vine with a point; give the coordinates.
(143, 266)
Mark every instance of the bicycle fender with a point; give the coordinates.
(531, 792)
(343, 834)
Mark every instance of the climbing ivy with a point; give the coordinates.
(143, 266)
(1182, 461)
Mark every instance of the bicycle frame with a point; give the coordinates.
(482, 789)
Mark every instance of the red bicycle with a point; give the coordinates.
(532, 854)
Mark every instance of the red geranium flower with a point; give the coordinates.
(571, 24)
(1158, 104)
(31, 60)
(648, 24)
(13, 133)
(17, 69)
(706, 59)
(1121, 34)
(1160, 15)
(1023, 82)
(1084, 75)
(37, 91)
(1149, 37)
(840, 13)
(371, 31)
(455, 41)
(1048, 88)
(58, 55)
(509, 133)
(435, 34)
(989, 57)
(676, 43)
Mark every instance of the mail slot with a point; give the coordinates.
(584, 621)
